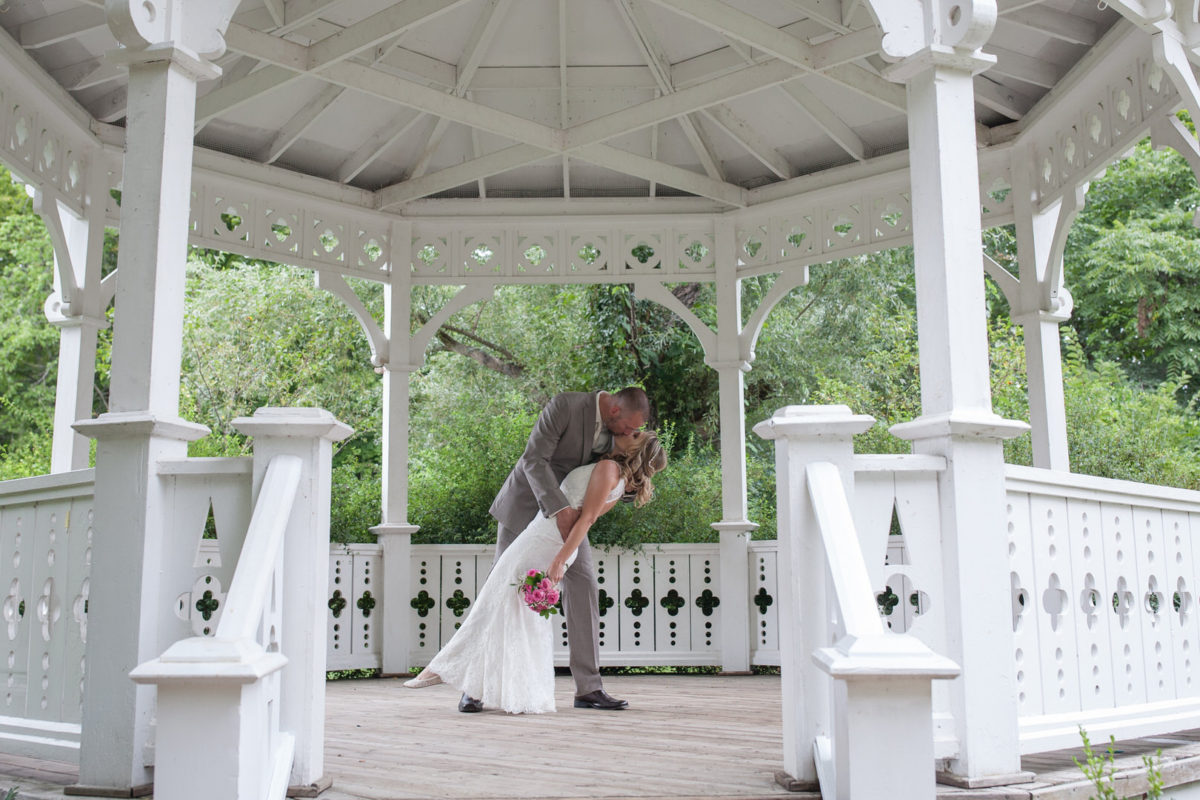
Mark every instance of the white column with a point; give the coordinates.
(734, 529)
(308, 433)
(805, 434)
(1047, 401)
(143, 426)
(394, 532)
(1040, 307)
(957, 421)
(78, 326)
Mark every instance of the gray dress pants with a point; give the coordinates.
(581, 602)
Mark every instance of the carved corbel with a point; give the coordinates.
(1168, 131)
(1170, 54)
(653, 290)
(910, 26)
(783, 285)
(65, 301)
(190, 32)
(337, 286)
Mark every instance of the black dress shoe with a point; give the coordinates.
(600, 699)
(469, 705)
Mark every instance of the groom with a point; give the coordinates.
(575, 428)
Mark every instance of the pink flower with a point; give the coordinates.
(538, 596)
(532, 573)
(545, 585)
(552, 596)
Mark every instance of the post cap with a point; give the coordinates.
(314, 423)
(805, 422)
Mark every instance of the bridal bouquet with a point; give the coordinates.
(539, 593)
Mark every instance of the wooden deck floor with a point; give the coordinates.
(682, 738)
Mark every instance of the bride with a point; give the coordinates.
(503, 652)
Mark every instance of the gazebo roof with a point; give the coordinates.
(694, 103)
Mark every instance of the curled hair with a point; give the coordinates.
(639, 464)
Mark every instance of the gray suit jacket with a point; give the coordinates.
(560, 442)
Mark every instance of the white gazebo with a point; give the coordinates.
(474, 143)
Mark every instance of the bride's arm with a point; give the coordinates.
(595, 503)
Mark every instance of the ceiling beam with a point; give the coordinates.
(827, 12)
(378, 27)
(685, 101)
(1055, 24)
(300, 122)
(224, 99)
(55, 28)
(275, 9)
(1026, 68)
(827, 120)
(830, 59)
(485, 166)
(86, 74)
(745, 135)
(303, 119)
(388, 87)
(647, 41)
(486, 25)
(751, 30)
(377, 143)
(1001, 99)
(603, 155)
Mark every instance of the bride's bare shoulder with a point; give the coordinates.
(606, 472)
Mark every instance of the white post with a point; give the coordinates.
(78, 326)
(957, 421)
(734, 529)
(394, 531)
(144, 425)
(308, 433)
(805, 434)
(1041, 306)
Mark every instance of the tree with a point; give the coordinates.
(1133, 267)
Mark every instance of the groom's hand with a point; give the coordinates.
(566, 520)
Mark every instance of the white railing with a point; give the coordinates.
(45, 555)
(885, 677)
(1104, 577)
(659, 605)
(227, 686)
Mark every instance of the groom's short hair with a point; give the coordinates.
(632, 398)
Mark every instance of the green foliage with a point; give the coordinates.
(1101, 770)
(459, 458)
(1116, 429)
(1133, 266)
(28, 345)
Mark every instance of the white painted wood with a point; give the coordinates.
(308, 434)
(59, 27)
(77, 310)
(806, 434)
(957, 421)
(827, 119)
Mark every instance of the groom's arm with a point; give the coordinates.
(548, 431)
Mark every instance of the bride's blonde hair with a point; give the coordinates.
(637, 466)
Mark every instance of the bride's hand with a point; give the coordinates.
(557, 568)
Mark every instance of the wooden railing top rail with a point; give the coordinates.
(898, 462)
(238, 465)
(252, 579)
(61, 484)
(1089, 487)
(847, 568)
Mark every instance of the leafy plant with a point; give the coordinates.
(1101, 770)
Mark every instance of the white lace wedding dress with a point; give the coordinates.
(502, 653)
